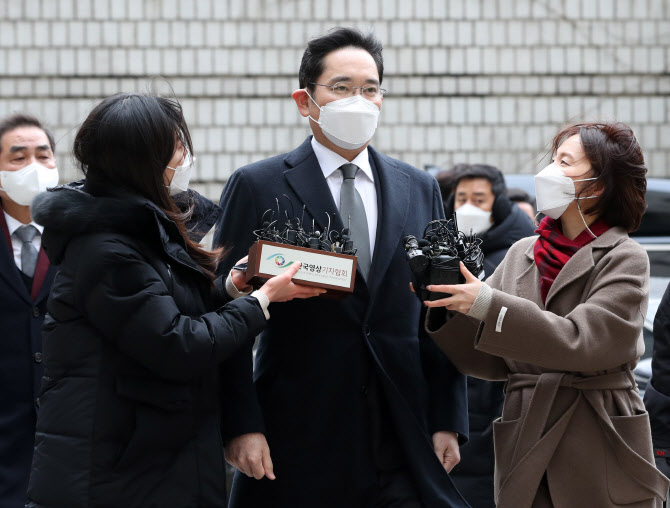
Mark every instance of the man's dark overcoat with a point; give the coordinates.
(21, 316)
(316, 357)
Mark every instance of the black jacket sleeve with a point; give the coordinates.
(124, 298)
(657, 394)
(448, 389)
(234, 231)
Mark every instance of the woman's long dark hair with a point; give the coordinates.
(126, 142)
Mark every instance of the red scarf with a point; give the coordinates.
(553, 250)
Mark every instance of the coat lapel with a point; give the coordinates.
(304, 176)
(582, 261)
(528, 283)
(394, 191)
(8, 269)
(44, 275)
(307, 181)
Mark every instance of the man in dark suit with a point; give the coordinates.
(350, 405)
(27, 166)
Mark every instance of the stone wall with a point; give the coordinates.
(468, 81)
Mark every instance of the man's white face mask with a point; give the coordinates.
(349, 123)
(24, 184)
(554, 191)
(473, 219)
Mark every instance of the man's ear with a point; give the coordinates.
(302, 100)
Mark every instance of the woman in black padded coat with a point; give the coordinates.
(137, 324)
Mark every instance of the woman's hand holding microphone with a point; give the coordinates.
(462, 295)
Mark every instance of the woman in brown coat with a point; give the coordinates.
(561, 321)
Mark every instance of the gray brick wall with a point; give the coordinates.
(477, 80)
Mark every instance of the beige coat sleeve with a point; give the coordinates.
(599, 334)
(455, 336)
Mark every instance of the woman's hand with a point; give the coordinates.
(239, 277)
(282, 289)
(462, 295)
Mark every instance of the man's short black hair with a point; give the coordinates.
(311, 66)
(17, 120)
(491, 173)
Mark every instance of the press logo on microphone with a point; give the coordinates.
(280, 260)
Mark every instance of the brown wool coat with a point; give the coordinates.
(572, 411)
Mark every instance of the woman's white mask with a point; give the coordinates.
(23, 185)
(182, 175)
(554, 191)
(350, 122)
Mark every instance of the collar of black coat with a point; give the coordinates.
(70, 210)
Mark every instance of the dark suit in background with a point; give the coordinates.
(338, 384)
(657, 393)
(22, 308)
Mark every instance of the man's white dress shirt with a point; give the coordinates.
(330, 162)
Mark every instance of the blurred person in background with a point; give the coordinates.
(27, 167)
(446, 181)
(481, 204)
(137, 325)
(523, 201)
(657, 393)
(561, 321)
(479, 198)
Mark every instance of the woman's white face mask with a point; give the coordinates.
(182, 175)
(554, 191)
(349, 123)
(24, 184)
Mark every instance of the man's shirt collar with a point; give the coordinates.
(331, 161)
(13, 224)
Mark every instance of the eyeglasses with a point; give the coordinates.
(345, 89)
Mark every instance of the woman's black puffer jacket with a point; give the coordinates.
(130, 407)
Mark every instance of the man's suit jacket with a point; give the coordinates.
(316, 356)
(21, 316)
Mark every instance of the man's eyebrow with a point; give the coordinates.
(17, 148)
(43, 147)
(339, 79)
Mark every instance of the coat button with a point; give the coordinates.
(366, 330)
(364, 390)
(38, 357)
(36, 311)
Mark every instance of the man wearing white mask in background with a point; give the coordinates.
(349, 404)
(27, 167)
(482, 207)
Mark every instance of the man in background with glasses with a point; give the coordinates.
(350, 405)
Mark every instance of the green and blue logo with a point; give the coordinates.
(280, 260)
